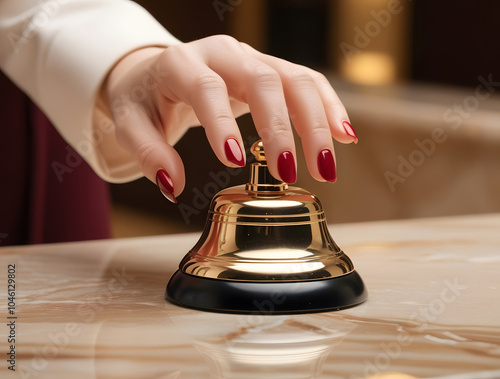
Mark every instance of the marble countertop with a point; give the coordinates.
(96, 310)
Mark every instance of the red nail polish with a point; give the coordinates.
(233, 152)
(165, 184)
(286, 167)
(326, 166)
(349, 130)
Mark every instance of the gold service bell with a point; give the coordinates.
(266, 249)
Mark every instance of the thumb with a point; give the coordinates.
(158, 161)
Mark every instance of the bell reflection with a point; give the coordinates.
(267, 347)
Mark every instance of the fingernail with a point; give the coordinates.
(326, 166)
(349, 130)
(286, 167)
(165, 184)
(233, 152)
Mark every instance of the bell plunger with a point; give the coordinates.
(266, 249)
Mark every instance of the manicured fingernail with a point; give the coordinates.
(326, 166)
(165, 184)
(286, 167)
(233, 152)
(349, 130)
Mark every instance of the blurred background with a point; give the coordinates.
(421, 83)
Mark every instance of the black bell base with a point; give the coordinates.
(266, 298)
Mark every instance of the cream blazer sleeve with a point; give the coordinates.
(59, 52)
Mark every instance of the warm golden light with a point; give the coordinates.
(392, 375)
(370, 68)
(272, 203)
(274, 254)
(276, 267)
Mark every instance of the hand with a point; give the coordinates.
(156, 94)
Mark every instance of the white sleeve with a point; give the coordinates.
(59, 52)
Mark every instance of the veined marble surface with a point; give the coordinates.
(96, 310)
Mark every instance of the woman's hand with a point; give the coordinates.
(156, 94)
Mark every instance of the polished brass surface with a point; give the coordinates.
(266, 231)
(261, 181)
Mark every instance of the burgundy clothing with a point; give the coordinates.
(47, 192)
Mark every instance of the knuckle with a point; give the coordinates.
(318, 128)
(279, 126)
(246, 47)
(318, 76)
(317, 125)
(259, 73)
(299, 76)
(321, 80)
(207, 81)
(175, 52)
(225, 40)
(223, 118)
(144, 154)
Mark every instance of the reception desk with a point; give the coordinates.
(96, 310)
